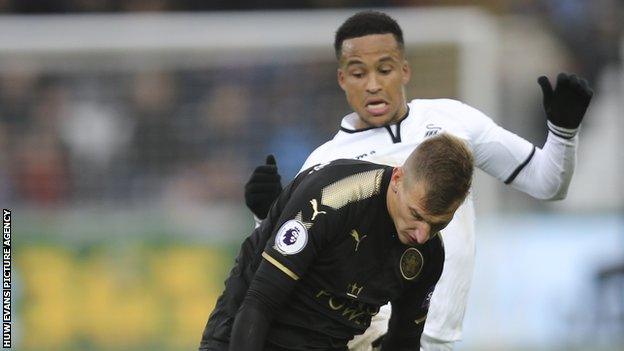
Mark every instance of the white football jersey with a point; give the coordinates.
(497, 151)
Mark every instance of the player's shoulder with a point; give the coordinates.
(449, 107)
(317, 152)
(344, 176)
(339, 187)
(317, 155)
(453, 115)
(341, 168)
(436, 103)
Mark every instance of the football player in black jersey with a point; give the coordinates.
(342, 240)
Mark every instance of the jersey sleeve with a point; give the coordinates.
(549, 172)
(544, 173)
(219, 325)
(268, 292)
(497, 151)
(409, 311)
(305, 228)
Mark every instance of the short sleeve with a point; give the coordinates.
(305, 229)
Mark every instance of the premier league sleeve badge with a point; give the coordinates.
(291, 237)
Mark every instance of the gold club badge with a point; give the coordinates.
(411, 263)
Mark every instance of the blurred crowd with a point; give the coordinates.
(128, 138)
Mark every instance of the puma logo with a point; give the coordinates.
(357, 238)
(315, 209)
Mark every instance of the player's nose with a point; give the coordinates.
(422, 232)
(372, 84)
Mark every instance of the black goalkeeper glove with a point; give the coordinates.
(263, 188)
(565, 106)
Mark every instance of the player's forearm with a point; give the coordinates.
(548, 174)
(551, 169)
(250, 327)
(394, 343)
(267, 292)
(405, 326)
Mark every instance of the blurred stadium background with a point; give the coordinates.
(128, 129)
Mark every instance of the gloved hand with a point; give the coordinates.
(565, 106)
(263, 188)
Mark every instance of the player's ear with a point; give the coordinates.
(406, 72)
(341, 78)
(396, 179)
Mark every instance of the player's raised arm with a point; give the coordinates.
(548, 173)
(544, 173)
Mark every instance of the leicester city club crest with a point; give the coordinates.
(411, 263)
(291, 238)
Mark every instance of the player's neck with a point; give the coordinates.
(399, 116)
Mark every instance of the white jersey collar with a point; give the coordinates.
(349, 121)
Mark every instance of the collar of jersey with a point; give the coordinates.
(345, 122)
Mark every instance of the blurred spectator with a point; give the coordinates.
(214, 180)
(5, 5)
(155, 146)
(292, 124)
(591, 30)
(224, 117)
(17, 90)
(146, 5)
(38, 6)
(94, 133)
(6, 184)
(40, 170)
(130, 134)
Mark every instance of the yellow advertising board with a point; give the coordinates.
(102, 299)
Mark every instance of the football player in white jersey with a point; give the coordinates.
(384, 128)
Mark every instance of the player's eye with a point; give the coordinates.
(416, 216)
(357, 74)
(385, 70)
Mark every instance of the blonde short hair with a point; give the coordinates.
(445, 164)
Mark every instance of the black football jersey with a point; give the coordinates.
(331, 232)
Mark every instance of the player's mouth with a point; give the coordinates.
(377, 107)
(409, 237)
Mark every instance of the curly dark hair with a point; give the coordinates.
(367, 23)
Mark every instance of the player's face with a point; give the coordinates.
(373, 73)
(411, 218)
